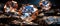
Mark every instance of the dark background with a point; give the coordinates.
(56, 2)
